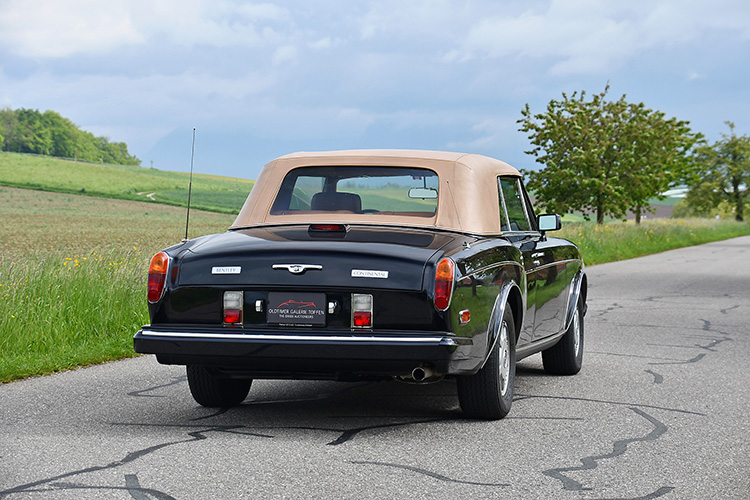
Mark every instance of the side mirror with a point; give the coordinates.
(549, 222)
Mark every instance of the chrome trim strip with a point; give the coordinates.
(535, 269)
(538, 345)
(436, 340)
(492, 266)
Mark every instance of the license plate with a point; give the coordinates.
(297, 309)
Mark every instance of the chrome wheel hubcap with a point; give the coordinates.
(576, 332)
(504, 358)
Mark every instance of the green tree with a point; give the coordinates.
(35, 137)
(49, 133)
(63, 133)
(605, 157)
(9, 122)
(722, 174)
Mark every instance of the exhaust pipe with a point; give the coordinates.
(419, 374)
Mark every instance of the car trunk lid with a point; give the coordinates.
(284, 257)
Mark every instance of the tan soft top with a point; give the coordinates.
(468, 200)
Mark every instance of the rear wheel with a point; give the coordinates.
(566, 357)
(489, 393)
(213, 391)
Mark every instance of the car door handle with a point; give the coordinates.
(536, 255)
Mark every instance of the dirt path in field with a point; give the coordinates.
(150, 196)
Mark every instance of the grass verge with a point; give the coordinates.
(62, 312)
(73, 275)
(626, 240)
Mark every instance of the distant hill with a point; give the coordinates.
(49, 133)
(127, 182)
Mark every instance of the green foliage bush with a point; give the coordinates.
(48, 133)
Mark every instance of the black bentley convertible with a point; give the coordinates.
(346, 265)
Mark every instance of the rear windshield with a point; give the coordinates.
(360, 190)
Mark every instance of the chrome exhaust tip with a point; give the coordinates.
(420, 374)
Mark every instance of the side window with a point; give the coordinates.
(513, 214)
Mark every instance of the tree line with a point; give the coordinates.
(606, 158)
(49, 133)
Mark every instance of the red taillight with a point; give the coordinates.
(444, 284)
(157, 276)
(362, 319)
(233, 305)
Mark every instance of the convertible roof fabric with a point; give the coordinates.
(468, 200)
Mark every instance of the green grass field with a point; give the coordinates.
(73, 275)
(210, 192)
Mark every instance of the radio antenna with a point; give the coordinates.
(190, 188)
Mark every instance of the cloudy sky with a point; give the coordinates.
(261, 79)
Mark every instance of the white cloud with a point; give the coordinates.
(283, 54)
(40, 28)
(412, 19)
(53, 29)
(589, 36)
(440, 74)
(324, 43)
(218, 23)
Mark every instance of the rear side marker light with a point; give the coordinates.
(444, 275)
(361, 310)
(233, 302)
(464, 317)
(157, 276)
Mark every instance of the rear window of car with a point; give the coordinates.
(358, 189)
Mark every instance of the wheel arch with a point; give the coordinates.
(509, 297)
(578, 290)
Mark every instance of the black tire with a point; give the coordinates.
(216, 392)
(566, 357)
(488, 394)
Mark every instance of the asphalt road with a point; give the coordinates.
(660, 410)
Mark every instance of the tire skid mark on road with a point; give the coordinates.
(656, 494)
(138, 493)
(229, 429)
(220, 411)
(425, 472)
(709, 347)
(623, 355)
(348, 434)
(601, 313)
(134, 487)
(345, 434)
(658, 379)
(574, 419)
(691, 360)
(143, 392)
(130, 457)
(618, 448)
(725, 311)
(708, 327)
(617, 403)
